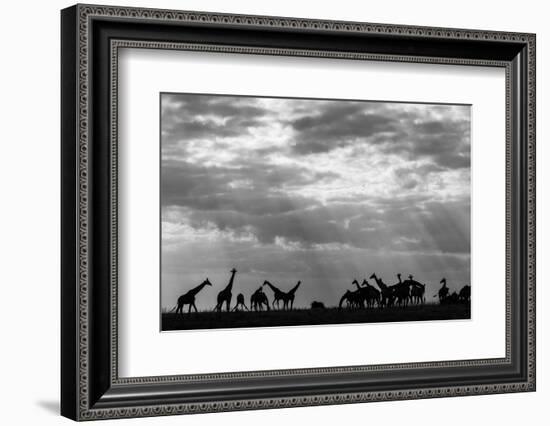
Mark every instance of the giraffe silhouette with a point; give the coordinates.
(401, 292)
(290, 294)
(240, 302)
(352, 298)
(225, 295)
(386, 292)
(373, 294)
(417, 291)
(258, 299)
(363, 294)
(464, 294)
(443, 291)
(189, 297)
(279, 295)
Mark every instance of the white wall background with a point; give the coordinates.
(29, 224)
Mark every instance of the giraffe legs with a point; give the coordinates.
(240, 304)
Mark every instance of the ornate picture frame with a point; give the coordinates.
(91, 37)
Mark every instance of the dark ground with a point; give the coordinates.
(206, 320)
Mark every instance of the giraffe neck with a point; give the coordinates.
(272, 287)
(198, 288)
(293, 290)
(379, 282)
(230, 285)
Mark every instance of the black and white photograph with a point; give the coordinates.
(295, 211)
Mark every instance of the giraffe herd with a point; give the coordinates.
(400, 294)
(258, 299)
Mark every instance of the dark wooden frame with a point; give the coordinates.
(90, 386)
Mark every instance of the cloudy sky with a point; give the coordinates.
(321, 191)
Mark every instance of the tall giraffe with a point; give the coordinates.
(417, 291)
(386, 292)
(289, 298)
(189, 297)
(279, 295)
(258, 299)
(225, 295)
(401, 291)
(363, 293)
(373, 295)
(443, 291)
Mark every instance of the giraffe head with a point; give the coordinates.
(233, 271)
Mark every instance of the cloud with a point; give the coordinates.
(337, 125)
(412, 132)
(197, 117)
(253, 189)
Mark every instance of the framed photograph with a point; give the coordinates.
(263, 212)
